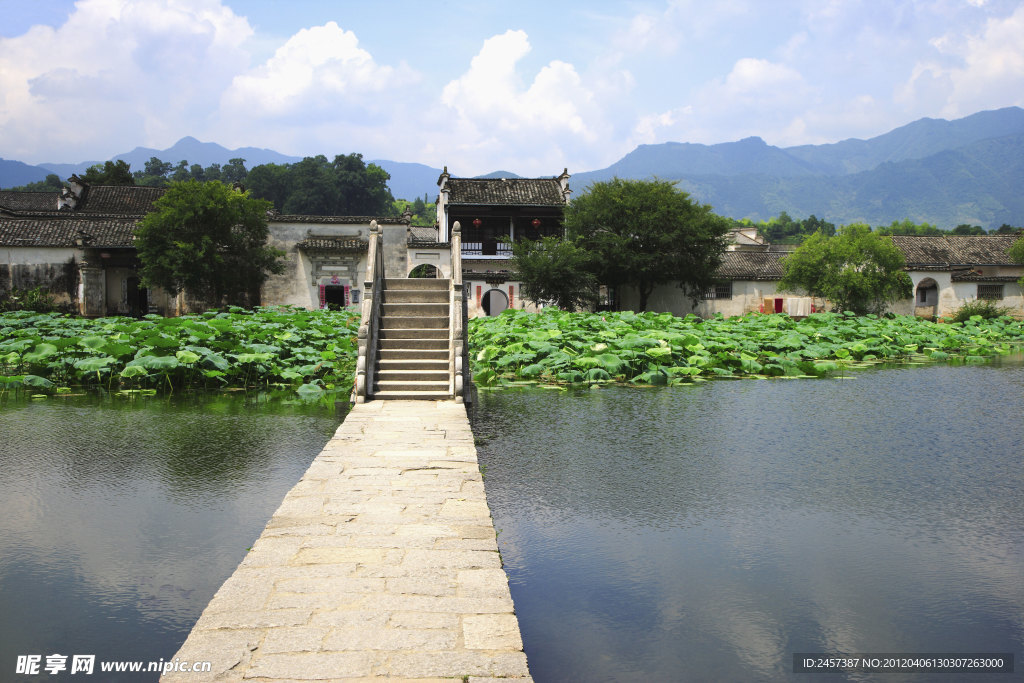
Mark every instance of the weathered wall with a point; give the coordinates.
(396, 257)
(54, 269)
(952, 295)
(440, 258)
(746, 298)
(304, 270)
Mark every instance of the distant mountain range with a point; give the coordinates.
(969, 170)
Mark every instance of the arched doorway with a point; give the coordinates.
(425, 270)
(927, 293)
(926, 298)
(494, 301)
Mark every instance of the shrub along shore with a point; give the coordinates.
(313, 353)
(556, 347)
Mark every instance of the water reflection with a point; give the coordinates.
(710, 532)
(120, 519)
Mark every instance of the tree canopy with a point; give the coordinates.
(209, 240)
(857, 270)
(346, 186)
(784, 229)
(109, 173)
(555, 271)
(643, 233)
(1017, 254)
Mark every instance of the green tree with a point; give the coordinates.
(555, 271)
(645, 233)
(857, 270)
(1007, 229)
(967, 229)
(110, 173)
(234, 171)
(208, 240)
(1017, 254)
(908, 227)
(346, 186)
(272, 182)
(50, 184)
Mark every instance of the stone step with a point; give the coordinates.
(409, 385)
(416, 296)
(408, 322)
(389, 310)
(417, 283)
(390, 395)
(432, 364)
(405, 376)
(414, 333)
(413, 354)
(431, 344)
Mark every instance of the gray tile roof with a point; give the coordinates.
(506, 191)
(974, 276)
(943, 252)
(751, 265)
(18, 203)
(62, 232)
(333, 244)
(356, 220)
(119, 200)
(422, 236)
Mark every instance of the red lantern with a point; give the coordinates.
(477, 222)
(535, 222)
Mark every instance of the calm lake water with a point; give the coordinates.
(710, 532)
(120, 519)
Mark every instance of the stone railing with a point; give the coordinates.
(458, 341)
(373, 289)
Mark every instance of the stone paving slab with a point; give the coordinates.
(381, 563)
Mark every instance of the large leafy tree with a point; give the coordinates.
(209, 240)
(555, 271)
(857, 270)
(645, 233)
(1017, 254)
(109, 173)
(347, 186)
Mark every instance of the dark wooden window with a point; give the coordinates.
(993, 292)
(722, 290)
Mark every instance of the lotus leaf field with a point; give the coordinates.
(555, 347)
(313, 353)
(310, 352)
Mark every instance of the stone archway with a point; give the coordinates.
(425, 270)
(927, 292)
(494, 301)
(926, 298)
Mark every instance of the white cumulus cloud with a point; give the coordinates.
(122, 68)
(974, 71)
(533, 126)
(319, 71)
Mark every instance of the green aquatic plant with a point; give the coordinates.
(557, 347)
(310, 352)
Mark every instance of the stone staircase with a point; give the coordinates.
(414, 344)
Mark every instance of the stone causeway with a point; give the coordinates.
(381, 563)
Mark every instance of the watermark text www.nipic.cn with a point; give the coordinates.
(32, 665)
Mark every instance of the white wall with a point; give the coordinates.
(746, 298)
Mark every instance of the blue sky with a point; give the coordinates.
(529, 87)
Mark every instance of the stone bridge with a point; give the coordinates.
(382, 561)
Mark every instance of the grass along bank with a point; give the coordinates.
(310, 352)
(557, 347)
